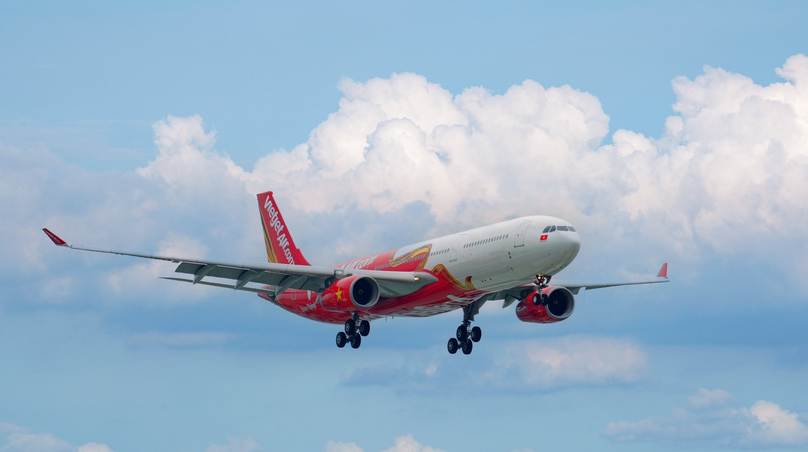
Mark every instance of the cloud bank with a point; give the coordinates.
(21, 439)
(519, 366)
(709, 420)
(402, 444)
(727, 178)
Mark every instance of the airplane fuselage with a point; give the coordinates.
(468, 265)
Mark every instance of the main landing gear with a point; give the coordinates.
(464, 339)
(354, 330)
(541, 283)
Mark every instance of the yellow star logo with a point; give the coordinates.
(339, 294)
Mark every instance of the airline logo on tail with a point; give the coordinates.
(280, 246)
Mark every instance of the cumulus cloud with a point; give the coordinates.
(236, 445)
(146, 272)
(709, 398)
(332, 446)
(524, 366)
(94, 447)
(21, 439)
(402, 444)
(197, 339)
(730, 166)
(727, 176)
(708, 420)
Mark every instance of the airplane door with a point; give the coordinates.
(455, 246)
(520, 235)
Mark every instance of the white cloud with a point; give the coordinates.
(402, 444)
(145, 273)
(332, 446)
(572, 361)
(708, 421)
(236, 445)
(729, 168)
(94, 447)
(727, 176)
(522, 366)
(408, 444)
(709, 398)
(20, 439)
(199, 339)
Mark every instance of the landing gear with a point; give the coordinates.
(476, 334)
(541, 283)
(452, 346)
(464, 338)
(354, 330)
(350, 327)
(462, 333)
(356, 341)
(364, 327)
(342, 339)
(467, 346)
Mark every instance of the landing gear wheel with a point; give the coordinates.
(364, 327)
(467, 346)
(356, 341)
(462, 333)
(545, 299)
(350, 327)
(452, 346)
(537, 299)
(476, 334)
(342, 339)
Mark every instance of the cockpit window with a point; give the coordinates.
(546, 230)
(552, 229)
(572, 229)
(563, 228)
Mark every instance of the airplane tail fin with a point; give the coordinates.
(281, 249)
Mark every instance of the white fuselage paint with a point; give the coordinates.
(505, 254)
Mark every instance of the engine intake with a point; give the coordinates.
(560, 304)
(348, 294)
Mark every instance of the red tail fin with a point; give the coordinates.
(281, 248)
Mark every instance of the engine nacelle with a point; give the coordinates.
(351, 293)
(560, 303)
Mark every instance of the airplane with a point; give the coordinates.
(513, 261)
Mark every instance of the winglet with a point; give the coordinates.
(663, 272)
(55, 238)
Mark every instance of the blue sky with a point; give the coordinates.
(672, 132)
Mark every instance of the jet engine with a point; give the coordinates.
(560, 303)
(348, 294)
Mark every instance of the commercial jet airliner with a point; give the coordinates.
(512, 261)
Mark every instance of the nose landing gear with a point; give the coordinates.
(541, 283)
(354, 330)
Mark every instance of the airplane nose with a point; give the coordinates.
(572, 243)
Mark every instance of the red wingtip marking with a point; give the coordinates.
(663, 272)
(54, 237)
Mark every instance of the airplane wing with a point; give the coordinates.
(575, 287)
(516, 293)
(245, 276)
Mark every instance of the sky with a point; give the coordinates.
(665, 132)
